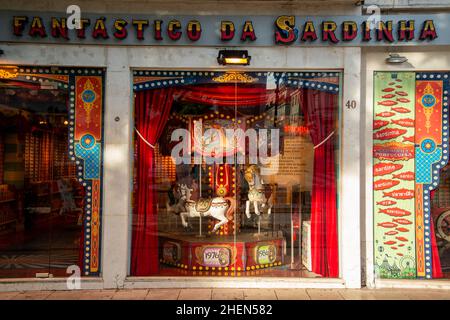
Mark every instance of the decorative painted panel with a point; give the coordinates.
(411, 132)
(393, 172)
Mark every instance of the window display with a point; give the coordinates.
(410, 153)
(236, 173)
(50, 170)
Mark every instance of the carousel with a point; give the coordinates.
(224, 211)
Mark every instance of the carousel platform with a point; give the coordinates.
(243, 252)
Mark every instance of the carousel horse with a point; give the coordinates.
(177, 201)
(220, 208)
(257, 191)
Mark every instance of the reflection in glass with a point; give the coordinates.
(235, 174)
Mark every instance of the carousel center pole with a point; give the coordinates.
(200, 195)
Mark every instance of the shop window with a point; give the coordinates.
(410, 156)
(235, 174)
(50, 171)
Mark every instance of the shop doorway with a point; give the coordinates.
(45, 200)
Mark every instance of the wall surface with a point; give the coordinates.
(200, 7)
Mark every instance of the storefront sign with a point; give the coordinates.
(116, 29)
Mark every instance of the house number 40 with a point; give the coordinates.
(351, 104)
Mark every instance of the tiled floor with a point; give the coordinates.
(233, 294)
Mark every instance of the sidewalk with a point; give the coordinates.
(233, 294)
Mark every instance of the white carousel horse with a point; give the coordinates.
(256, 193)
(220, 208)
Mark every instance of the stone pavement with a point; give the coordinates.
(233, 294)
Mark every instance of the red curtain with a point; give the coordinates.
(319, 109)
(436, 261)
(226, 95)
(152, 109)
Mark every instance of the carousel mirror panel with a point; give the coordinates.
(50, 171)
(235, 173)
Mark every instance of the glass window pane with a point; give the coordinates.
(236, 174)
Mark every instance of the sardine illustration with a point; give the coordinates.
(402, 221)
(385, 114)
(383, 168)
(395, 212)
(387, 224)
(400, 194)
(384, 184)
(388, 133)
(386, 203)
(405, 122)
(377, 124)
(388, 103)
(401, 110)
(407, 176)
(391, 233)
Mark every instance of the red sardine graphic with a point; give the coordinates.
(385, 114)
(402, 221)
(400, 254)
(384, 184)
(399, 80)
(387, 224)
(388, 96)
(391, 83)
(400, 194)
(391, 233)
(401, 245)
(386, 203)
(395, 212)
(406, 122)
(388, 133)
(401, 110)
(388, 103)
(401, 229)
(388, 89)
(399, 86)
(377, 124)
(403, 100)
(395, 248)
(401, 239)
(401, 93)
(383, 168)
(408, 139)
(390, 242)
(407, 176)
